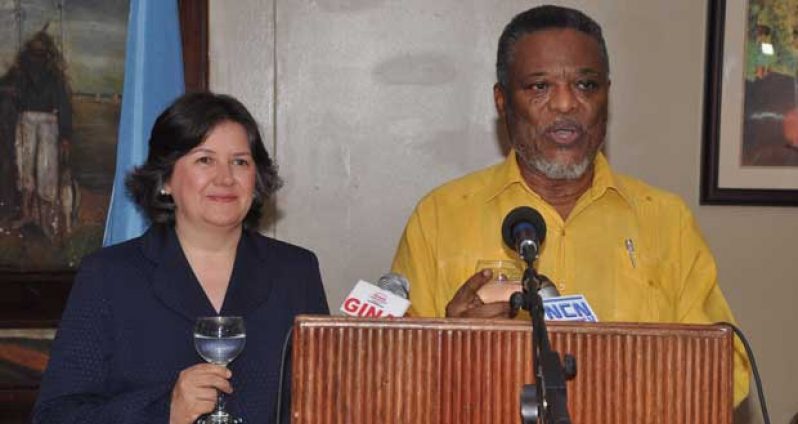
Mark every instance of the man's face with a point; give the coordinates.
(555, 105)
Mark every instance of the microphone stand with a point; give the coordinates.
(546, 401)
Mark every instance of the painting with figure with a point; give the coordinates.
(61, 77)
(770, 127)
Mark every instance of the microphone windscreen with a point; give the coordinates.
(548, 289)
(523, 215)
(395, 283)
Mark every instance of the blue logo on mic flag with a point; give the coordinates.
(568, 308)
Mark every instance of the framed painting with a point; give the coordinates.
(750, 133)
(38, 257)
(61, 75)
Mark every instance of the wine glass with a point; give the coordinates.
(219, 340)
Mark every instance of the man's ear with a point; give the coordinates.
(500, 100)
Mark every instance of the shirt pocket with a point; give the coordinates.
(641, 289)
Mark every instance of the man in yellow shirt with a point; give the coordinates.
(634, 251)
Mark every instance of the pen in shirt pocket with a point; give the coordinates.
(630, 249)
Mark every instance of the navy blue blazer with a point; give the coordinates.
(127, 330)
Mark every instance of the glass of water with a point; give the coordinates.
(219, 340)
(506, 279)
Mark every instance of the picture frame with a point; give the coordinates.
(724, 178)
(35, 299)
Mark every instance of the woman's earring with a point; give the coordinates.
(163, 192)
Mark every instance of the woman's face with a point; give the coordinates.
(213, 184)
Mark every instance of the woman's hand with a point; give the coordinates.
(195, 392)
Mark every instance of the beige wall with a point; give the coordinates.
(378, 101)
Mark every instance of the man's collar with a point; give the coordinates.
(604, 179)
(508, 174)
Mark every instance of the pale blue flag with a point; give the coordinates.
(153, 79)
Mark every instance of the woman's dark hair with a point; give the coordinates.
(538, 19)
(184, 125)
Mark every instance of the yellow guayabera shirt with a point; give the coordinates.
(634, 252)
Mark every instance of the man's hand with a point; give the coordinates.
(467, 304)
(195, 392)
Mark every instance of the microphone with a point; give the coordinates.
(524, 231)
(396, 284)
(388, 298)
(547, 289)
(573, 307)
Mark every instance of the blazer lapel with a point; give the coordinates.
(173, 281)
(252, 279)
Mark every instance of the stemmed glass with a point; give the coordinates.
(219, 340)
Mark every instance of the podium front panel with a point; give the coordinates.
(417, 371)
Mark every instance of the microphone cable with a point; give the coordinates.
(754, 369)
(283, 360)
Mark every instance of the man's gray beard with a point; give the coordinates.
(559, 171)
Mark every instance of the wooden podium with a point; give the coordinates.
(417, 371)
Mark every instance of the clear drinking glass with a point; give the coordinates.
(219, 340)
(506, 279)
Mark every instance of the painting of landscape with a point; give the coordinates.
(770, 127)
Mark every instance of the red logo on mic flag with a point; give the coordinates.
(368, 300)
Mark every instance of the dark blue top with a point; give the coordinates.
(127, 330)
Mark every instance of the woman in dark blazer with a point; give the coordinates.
(124, 350)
